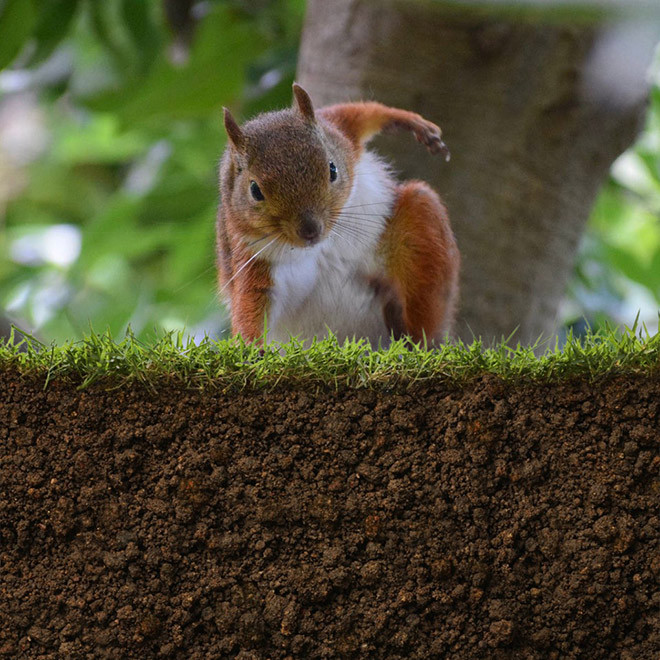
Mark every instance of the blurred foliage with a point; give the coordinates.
(109, 219)
(617, 274)
(131, 103)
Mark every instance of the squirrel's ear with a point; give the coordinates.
(234, 132)
(303, 102)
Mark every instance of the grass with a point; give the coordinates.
(233, 363)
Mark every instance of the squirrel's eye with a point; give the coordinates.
(256, 191)
(333, 171)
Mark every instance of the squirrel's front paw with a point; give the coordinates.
(430, 136)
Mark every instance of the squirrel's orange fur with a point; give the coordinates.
(315, 234)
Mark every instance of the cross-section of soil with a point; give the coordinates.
(491, 521)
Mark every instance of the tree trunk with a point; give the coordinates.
(531, 119)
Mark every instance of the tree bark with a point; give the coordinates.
(531, 132)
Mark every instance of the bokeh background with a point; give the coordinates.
(110, 136)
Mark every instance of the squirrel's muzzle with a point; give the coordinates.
(309, 229)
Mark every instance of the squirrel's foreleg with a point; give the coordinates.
(250, 284)
(361, 121)
(421, 264)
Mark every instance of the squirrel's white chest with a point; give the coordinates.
(325, 287)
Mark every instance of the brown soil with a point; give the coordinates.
(487, 522)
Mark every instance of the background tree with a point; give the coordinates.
(533, 117)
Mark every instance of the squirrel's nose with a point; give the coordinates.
(309, 229)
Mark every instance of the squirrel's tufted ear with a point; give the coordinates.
(234, 132)
(303, 102)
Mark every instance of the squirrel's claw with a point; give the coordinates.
(431, 137)
(436, 145)
(441, 148)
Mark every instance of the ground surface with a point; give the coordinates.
(489, 521)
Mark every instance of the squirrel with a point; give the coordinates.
(315, 234)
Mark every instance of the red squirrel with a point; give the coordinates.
(315, 234)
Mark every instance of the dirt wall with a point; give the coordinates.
(490, 521)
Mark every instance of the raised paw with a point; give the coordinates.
(430, 136)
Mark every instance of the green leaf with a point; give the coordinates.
(654, 278)
(179, 197)
(55, 19)
(194, 239)
(628, 264)
(655, 96)
(98, 140)
(17, 19)
(105, 310)
(109, 27)
(137, 15)
(214, 74)
(116, 230)
(62, 193)
(610, 207)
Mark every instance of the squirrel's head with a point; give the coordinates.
(286, 174)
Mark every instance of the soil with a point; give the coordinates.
(490, 521)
